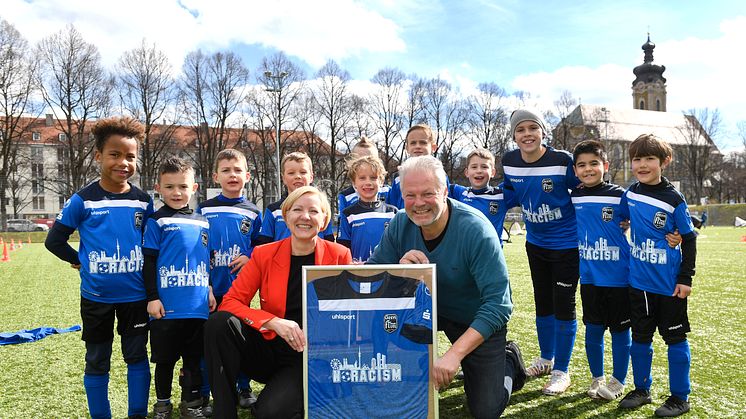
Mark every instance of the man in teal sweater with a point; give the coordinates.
(474, 301)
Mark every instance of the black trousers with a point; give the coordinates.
(232, 346)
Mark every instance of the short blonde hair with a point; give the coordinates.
(424, 127)
(375, 164)
(297, 156)
(296, 194)
(482, 153)
(364, 143)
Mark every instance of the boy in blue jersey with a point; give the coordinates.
(480, 168)
(177, 283)
(604, 268)
(349, 196)
(110, 215)
(362, 224)
(541, 179)
(234, 230)
(297, 171)
(660, 276)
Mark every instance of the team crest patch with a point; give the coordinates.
(138, 219)
(390, 323)
(494, 207)
(659, 221)
(245, 225)
(607, 213)
(204, 238)
(547, 185)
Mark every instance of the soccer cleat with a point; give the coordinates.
(673, 406)
(206, 406)
(192, 410)
(246, 398)
(513, 352)
(612, 390)
(596, 383)
(558, 383)
(162, 410)
(539, 367)
(635, 399)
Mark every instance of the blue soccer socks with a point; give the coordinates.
(620, 346)
(642, 362)
(545, 332)
(564, 331)
(138, 387)
(594, 348)
(679, 363)
(97, 392)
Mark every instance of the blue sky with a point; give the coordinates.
(544, 47)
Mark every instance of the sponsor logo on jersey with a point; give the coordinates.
(245, 225)
(100, 212)
(494, 207)
(338, 316)
(659, 221)
(426, 314)
(377, 371)
(203, 235)
(138, 219)
(547, 185)
(607, 213)
(390, 323)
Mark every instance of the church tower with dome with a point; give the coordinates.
(649, 87)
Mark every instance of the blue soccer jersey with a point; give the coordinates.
(349, 196)
(110, 251)
(369, 340)
(542, 188)
(274, 227)
(362, 225)
(603, 247)
(655, 211)
(490, 201)
(234, 226)
(179, 240)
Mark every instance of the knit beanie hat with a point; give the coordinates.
(520, 115)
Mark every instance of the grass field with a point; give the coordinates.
(44, 378)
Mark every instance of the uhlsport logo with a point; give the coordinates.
(659, 221)
(138, 219)
(203, 235)
(494, 207)
(245, 225)
(607, 213)
(547, 185)
(390, 323)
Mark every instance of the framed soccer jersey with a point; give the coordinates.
(371, 336)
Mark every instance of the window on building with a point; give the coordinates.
(37, 153)
(37, 170)
(62, 136)
(61, 201)
(642, 104)
(657, 104)
(61, 170)
(38, 202)
(36, 136)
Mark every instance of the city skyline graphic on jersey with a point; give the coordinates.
(173, 278)
(101, 263)
(599, 250)
(379, 370)
(543, 214)
(647, 252)
(224, 257)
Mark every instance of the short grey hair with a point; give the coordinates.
(427, 164)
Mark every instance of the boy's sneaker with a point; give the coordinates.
(635, 398)
(539, 367)
(246, 398)
(513, 352)
(162, 410)
(596, 383)
(612, 390)
(673, 406)
(558, 383)
(206, 406)
(192, 410)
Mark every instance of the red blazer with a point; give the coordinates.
(268, 271)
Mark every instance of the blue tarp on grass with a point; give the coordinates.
(24, 336)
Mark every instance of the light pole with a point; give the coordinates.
(277, 88)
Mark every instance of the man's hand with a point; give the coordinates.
(414, 257)
(444, 369)
(155, 309)
(237, 263)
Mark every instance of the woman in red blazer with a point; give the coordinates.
(267, 343)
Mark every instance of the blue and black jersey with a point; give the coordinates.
(542, 188)
(234, 229)
(603, 247)
(349, 196)
(368, 343)
(490, 201)
(654, 212)
(110, 252)
(361, 226)
(179, 239)
(274, 227)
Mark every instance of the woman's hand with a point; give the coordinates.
(289, 331)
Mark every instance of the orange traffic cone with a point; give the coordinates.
(12, 244)
(5, 257)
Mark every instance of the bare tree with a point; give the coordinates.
(148, 93)
(387, 111)
(77, 88)
(17, 86)
(561, 136)
(308, 112)
(360, 121)
(454, 138)
(213, 87)
(334, 103)
(414, 109)
(488, 119)
(697, 160)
